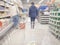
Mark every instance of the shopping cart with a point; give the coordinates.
(22, 24)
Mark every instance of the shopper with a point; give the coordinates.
(33, 13)
(14, 16)
(15, 20)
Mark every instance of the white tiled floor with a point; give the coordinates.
(38, 36)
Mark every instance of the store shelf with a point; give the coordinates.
(6, 24)
(54, 16)
(4, 10)
(4, 30)
(2, 3)
(55, 22)
(4, 16)
(43, 18)
(54, 28)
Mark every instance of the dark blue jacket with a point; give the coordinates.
(15, 19)
(33, 11)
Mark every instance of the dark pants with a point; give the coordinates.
(32, 19)
(32, 22)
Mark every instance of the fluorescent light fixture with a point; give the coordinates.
(41, 1)
(28, 1)
(21, 4)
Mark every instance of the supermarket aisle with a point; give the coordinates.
(38, 36)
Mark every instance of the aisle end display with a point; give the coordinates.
(43, 15)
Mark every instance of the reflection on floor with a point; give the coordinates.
(38, 36)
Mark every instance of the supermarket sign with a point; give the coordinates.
(42, 8)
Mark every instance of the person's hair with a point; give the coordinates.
(32, 3)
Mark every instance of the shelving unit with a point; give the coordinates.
(43, 19)
(5, 11)
(55, 23)
(5, 30)
(6, 23)
(1, 3)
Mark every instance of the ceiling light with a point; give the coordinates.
(41, 1)
(27, 1)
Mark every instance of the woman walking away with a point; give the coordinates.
(33, 13)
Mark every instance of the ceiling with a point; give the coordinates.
(35, 1)
(25, 1)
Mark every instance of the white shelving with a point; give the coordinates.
(4, 30)
(4, 9)
(1, 3)
(6, 12)
(6, 24)
(55, 23)
(44, 19)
